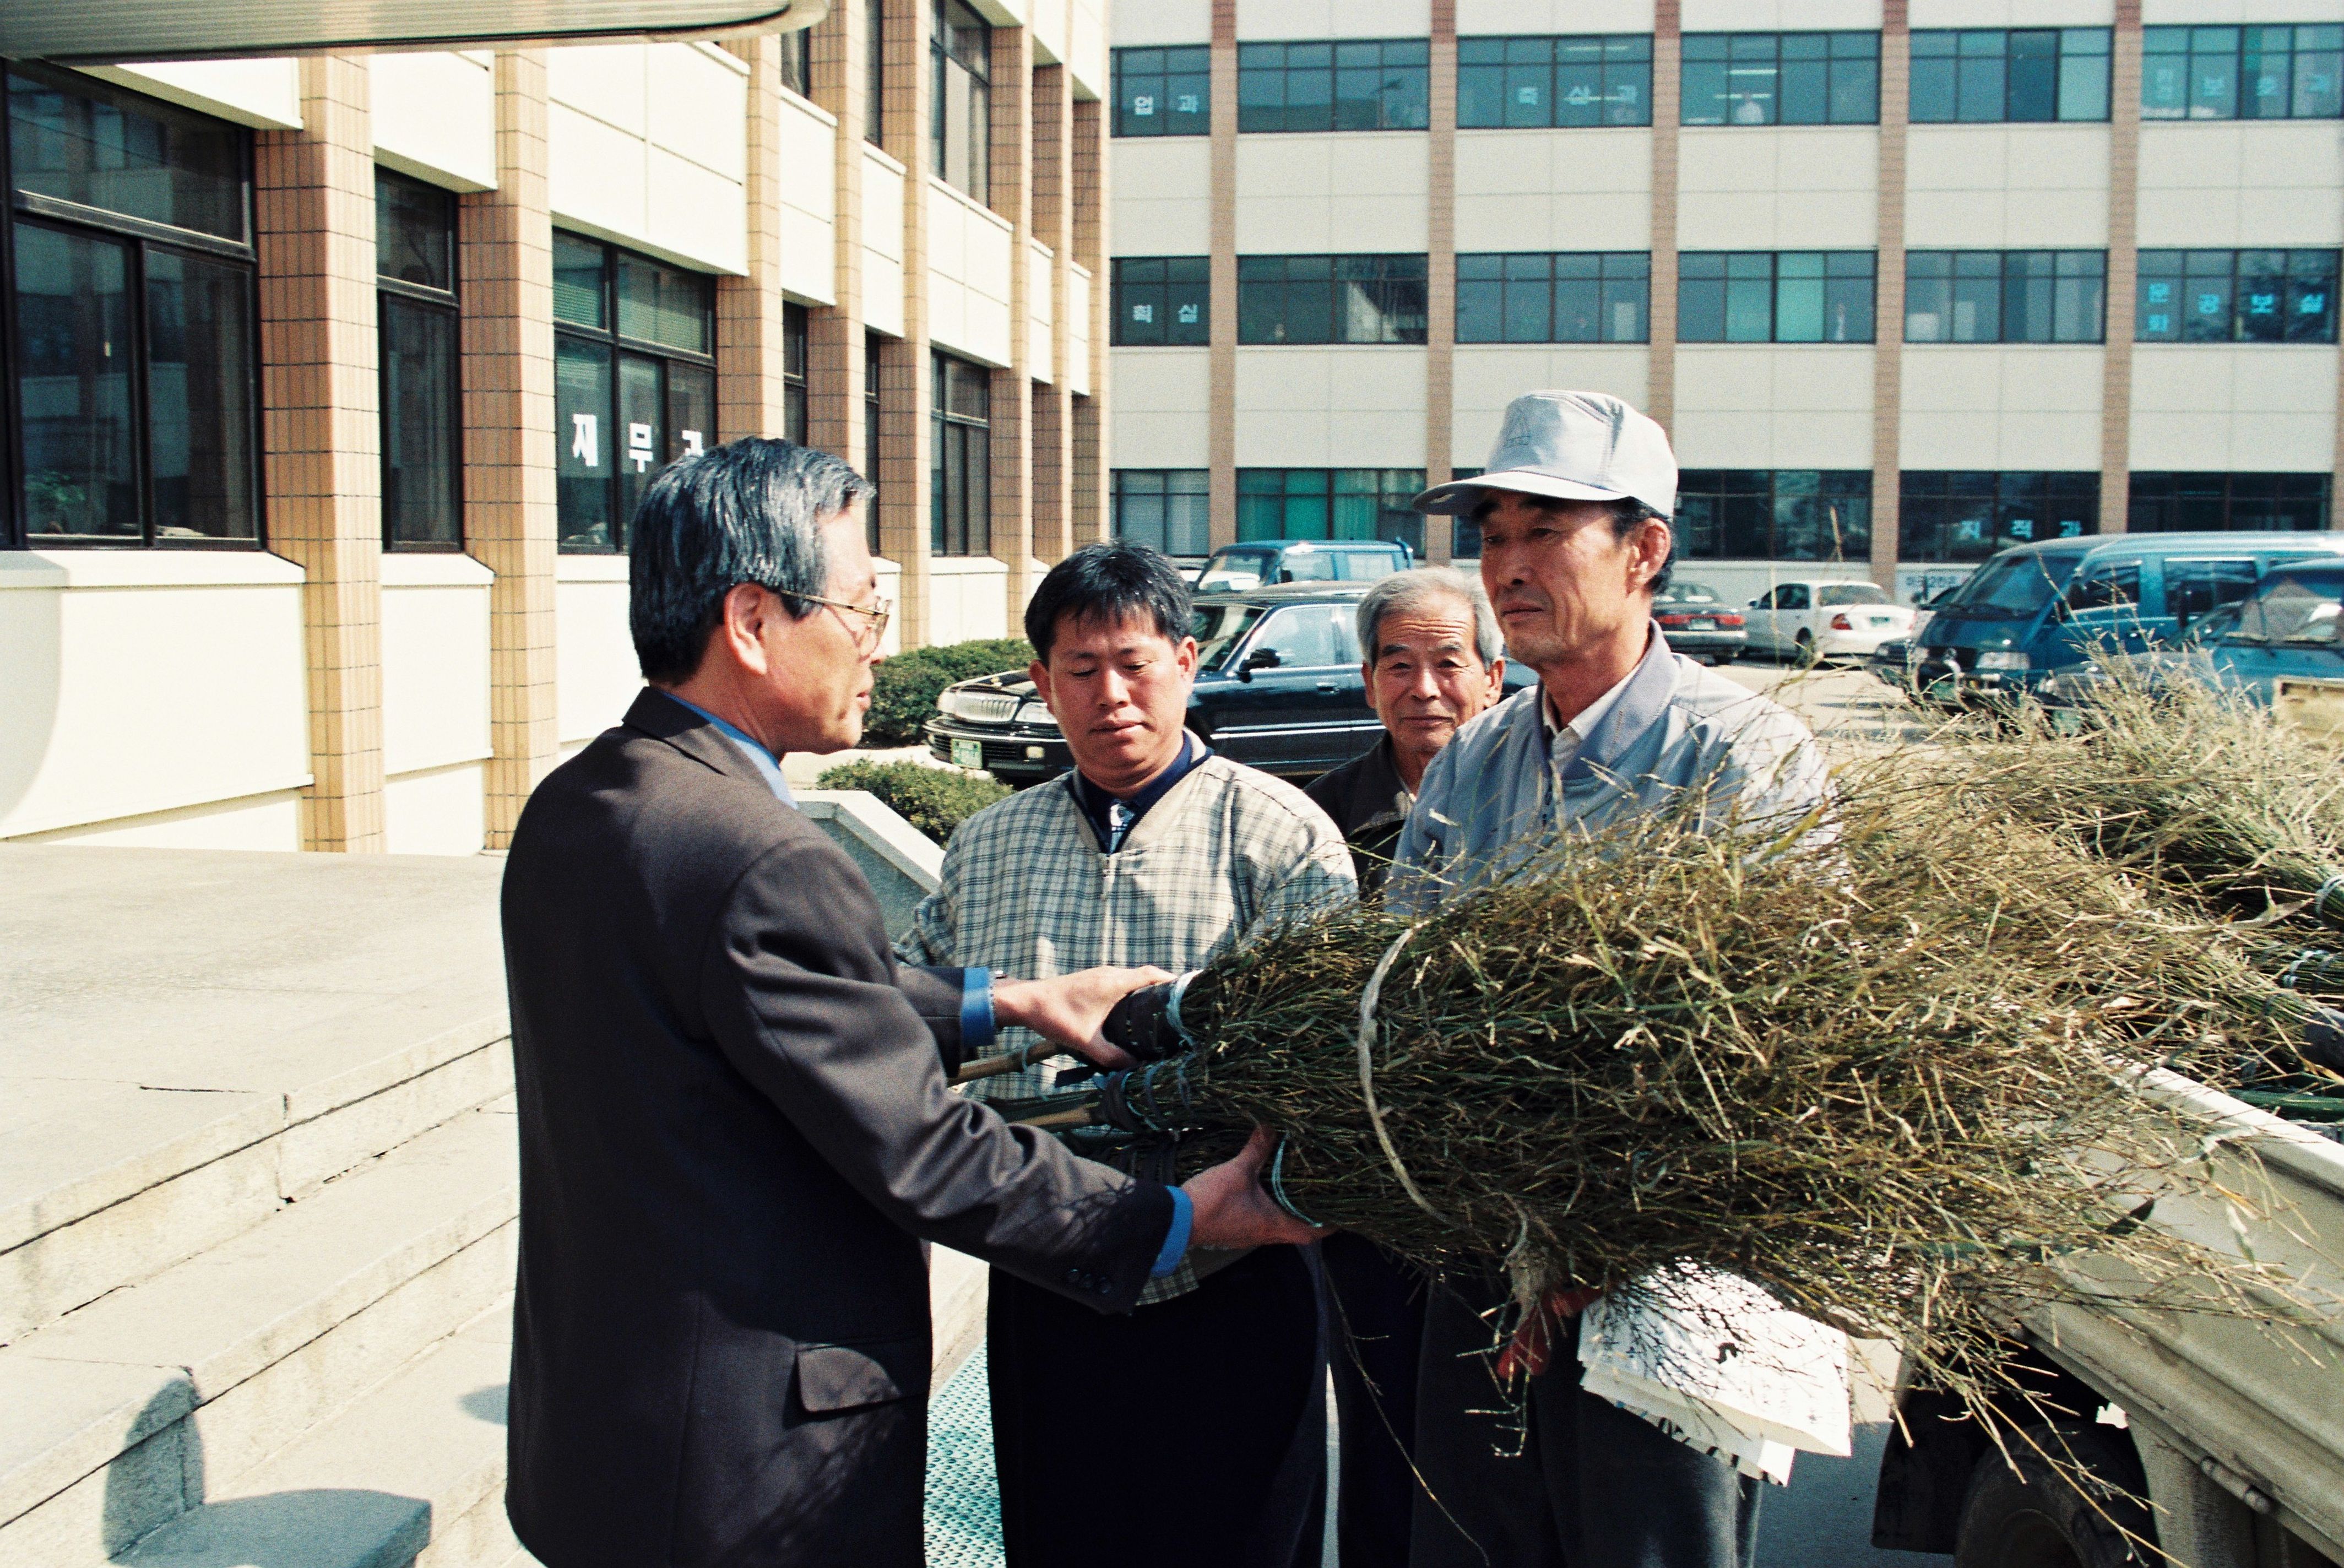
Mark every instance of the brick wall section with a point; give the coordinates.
(1012, 195)
(1888, 311)
(1440, 272)
(1086, 483)
(505, 257)
(2124, 269)
(835, 333)
(905, 391)
(314, 204)
(1661, 359)
(1053, 455)
(750, 352)
(1221, 376)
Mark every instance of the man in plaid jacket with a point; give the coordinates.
(1152, 849)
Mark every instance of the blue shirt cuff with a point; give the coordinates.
(976, 1024)
(1176, 1240)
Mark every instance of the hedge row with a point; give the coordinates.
(930, 799)
(904, 688)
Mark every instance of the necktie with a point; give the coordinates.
(1119, 818)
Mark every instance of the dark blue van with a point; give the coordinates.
(2036, 610)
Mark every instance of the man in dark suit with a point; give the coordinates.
(734, 1122)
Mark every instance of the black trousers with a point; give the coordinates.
(1377, 1318)
(1190, 1434)
(1592, 1486)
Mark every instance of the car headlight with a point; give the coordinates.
(2004, 659)
(950, 706)
(1036, 715)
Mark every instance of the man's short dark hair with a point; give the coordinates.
(1628, 515)
(1104, 583)
(750, 510)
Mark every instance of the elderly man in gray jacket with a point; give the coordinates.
(1574, 511)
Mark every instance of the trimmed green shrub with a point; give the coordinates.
(930, 799)
(905, 688)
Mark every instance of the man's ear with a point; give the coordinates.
(1039, 673)
(1185, 655)
(1367, 683)
(741, 625)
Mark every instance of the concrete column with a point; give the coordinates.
(905, 388)
(834, 335)
(1012, 192)
(1441, 274)
(505, 255)
(1668, 90)
(750, 352)
(1221, 372)
(313, 202)
(1054, 178)
(1888, 298)
(2124, 269)
(1087, 486)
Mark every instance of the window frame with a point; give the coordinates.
(874, 73)
(1822, 487)
(448, 305)
(2197, 271)
(942, 419)
(2004, 281)
(1421, 103)
(2156, 42)
(1740, 49)
(139, 237)
(1936, 493)
(1393, 488)
(797, 333)
(1506, 46)
(616, 344)
(1127, 485)
(2146, 484)
(1164, 293)
(2064, 40)
(944, 59)
(1739, 268)
(873, 415)
(1126, 69)
(1337, 319)
(1514, 268)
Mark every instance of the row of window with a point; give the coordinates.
(1737, 297)
(1743, 514)
(1966, 76)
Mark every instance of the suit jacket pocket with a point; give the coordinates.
(866, 1372)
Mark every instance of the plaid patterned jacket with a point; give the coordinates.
(1025, 892)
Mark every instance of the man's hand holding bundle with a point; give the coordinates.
(1067, 1011)
(1234, 1210)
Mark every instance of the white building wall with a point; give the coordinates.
(2013, 13)
(1162, 399)
(2268, 407)
(1277, 19)
(1768, 15)
(1158, 187)
(970, 252)
(808, 194)
(2019, 406)
(1161, 22)
(595, 676)
(1554, 190)
(1308, 194)
(1041, 281)
(883, 242)
(1490, 375)
(1804, 187)
(1079, 329)
(434, 117)
(147, 687)
(971, 599)
(1351, 407)
(1501, 16)
(2231, 184)
(435, 701)
(648, 145)
(1994, 188)
(1759, 406)
(2167, 12)
(263, 93)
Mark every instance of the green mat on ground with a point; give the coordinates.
(963, 1505)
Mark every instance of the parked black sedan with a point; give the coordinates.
(1278, 687)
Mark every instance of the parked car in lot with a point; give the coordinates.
(1236, 567)
(2035, 612)
(1698, 624)
(1278, 687)
(2289, 632)
(1891, 662)
(1824, 618)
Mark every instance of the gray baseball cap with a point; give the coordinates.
(1573, 446)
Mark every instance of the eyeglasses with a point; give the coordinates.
(876, 612)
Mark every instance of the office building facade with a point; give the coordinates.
(1908, 280)
(328, 386)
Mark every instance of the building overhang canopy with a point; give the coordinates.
(117, 32)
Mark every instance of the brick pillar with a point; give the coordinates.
(313, 200)
(1441, 274)
(2124, 269)
(834, 335)
(1087, 486)
(1667, 85)
(1012, 195)
(749, 345)
(1221, 367)
(906, 388)
(505, 255)
(1888, 311)
(1054, 453)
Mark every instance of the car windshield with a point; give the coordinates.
(1686, 593)
(2302, 610)
(2013, 587)
(1850, 593)
(2214, 625)
(1234, 571)
(1219, 628)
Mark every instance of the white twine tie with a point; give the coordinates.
(1368, 1067)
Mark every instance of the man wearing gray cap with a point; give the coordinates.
(1574, 512)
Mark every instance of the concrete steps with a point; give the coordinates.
(166, 1395)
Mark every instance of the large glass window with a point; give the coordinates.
(1331, 300)
(2188, 502)
(1984, 75)
(873, 348)
(960, 134)
(634, 381)
(1955, 516)
(1162, 300)
(1580, 296)
(794, 372)
(1164, 92)
(1363, 85)
(2284, 73)
(875, 71)
(797, 61)
(1775, 297)
(132, 318)
(2005, 296)
(1774, 514)
(1164, 508)
(1586, 80)
(960, 494)
(1330, 503)
(1780, 80)
(2238, 297)
(422, 418)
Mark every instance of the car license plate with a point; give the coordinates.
(968, 753)
(1701, 625)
